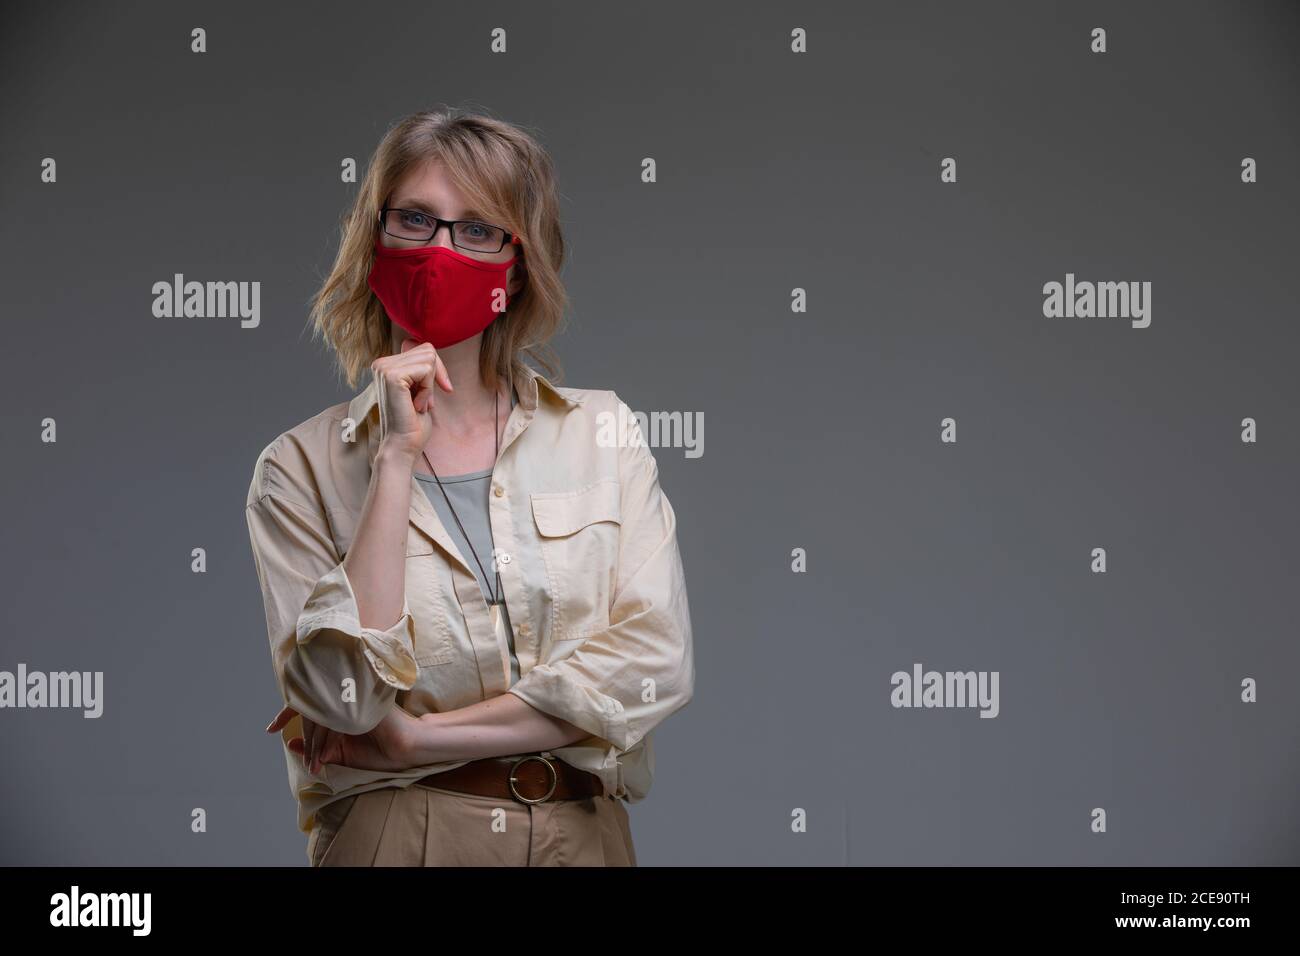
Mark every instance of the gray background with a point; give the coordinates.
(821, 430)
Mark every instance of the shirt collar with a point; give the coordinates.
(530, 384)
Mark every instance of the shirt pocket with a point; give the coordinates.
(579, 532)
(426, 596)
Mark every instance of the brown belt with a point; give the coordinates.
(530, 778)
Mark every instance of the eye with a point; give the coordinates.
(414, 218)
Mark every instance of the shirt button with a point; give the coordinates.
(503, 557)
(523, 629)
(498, 490)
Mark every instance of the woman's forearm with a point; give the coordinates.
(498, 726)
(376, 563)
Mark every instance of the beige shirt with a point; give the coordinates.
(586, 544)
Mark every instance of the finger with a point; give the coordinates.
(283, 717)
(385, 362)
(296, 745)
(329, 751)
(422, 353)
(410, 371)
(421, 394)
(317, 740)
(421, 398)
(333, 749)
(309, 743)
(419, 375)
(440, 375)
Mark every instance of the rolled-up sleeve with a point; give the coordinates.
(623, 681)
(317, 642)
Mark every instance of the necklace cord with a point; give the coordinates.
(496, 432)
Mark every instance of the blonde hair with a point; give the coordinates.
(505, 174)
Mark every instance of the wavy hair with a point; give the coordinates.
(505, 174)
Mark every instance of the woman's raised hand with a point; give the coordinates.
(406, 382)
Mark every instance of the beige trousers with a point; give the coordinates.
(427, 826)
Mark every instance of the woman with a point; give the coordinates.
(474, 595)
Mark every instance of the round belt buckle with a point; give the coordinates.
(555, 779)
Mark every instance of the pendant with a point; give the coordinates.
(503, 643)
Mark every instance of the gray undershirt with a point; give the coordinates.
(469, 496)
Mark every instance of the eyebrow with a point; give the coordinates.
(420, 204)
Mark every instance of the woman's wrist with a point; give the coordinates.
(423, 741)
(396, 456)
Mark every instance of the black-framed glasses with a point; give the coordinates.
(416, 225)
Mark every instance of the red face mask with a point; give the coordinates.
(437, 294)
